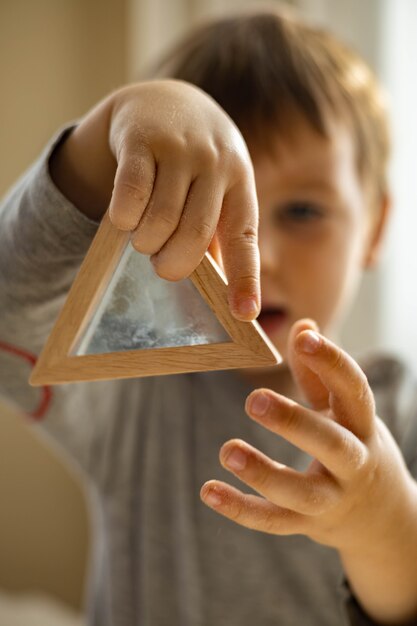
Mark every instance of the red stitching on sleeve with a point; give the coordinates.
(46, 392)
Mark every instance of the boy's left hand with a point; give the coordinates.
(357, 487)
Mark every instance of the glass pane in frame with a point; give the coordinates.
(140, 310)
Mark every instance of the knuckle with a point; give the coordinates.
(337, 361)
(246, 242)
(339, 445)
(207, 154)
(172, 144)
(248, 236)
(202, 231)
(159, 221)
(291, 418)
(316, 500)
(240, 165)
(364, 393)
(261, 474)
(271, 522)
(228, 154)
(132, 133)
(236, 510)
(132, 190)
(234, 153)
(358, 458)
(245, 283)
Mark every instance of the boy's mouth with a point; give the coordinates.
(272, 319)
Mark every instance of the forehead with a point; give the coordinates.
(297, 152)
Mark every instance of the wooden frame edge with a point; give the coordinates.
(140, 363)
(208, 278)
(250, 347)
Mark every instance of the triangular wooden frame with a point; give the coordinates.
(250, 347)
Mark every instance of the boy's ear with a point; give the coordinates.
(377, 231)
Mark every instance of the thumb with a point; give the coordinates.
(307, 381)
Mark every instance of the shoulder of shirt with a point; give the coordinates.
(386, 369)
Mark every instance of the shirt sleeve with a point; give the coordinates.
(43, 240)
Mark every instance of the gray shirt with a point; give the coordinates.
(144, 448)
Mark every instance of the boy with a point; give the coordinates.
(315, 145)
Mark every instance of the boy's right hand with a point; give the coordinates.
(173, 168)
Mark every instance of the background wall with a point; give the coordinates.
(399, 59)
(57, 58)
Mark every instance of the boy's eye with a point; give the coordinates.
(299, 212)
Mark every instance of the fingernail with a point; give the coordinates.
(247, 308)
(236, 459)
(310, 341)
(258, 404)
(212, 498)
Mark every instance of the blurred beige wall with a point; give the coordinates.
(156, 24)
(57, 58)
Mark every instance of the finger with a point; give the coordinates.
(281, 485)
(251, 511)
(350, 396)
(335, 447)
(238, 237)
(183, 252)
(214, 249)
(163, 212)
(133, 186)
(308, 382)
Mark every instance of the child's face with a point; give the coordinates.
(317, 230)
